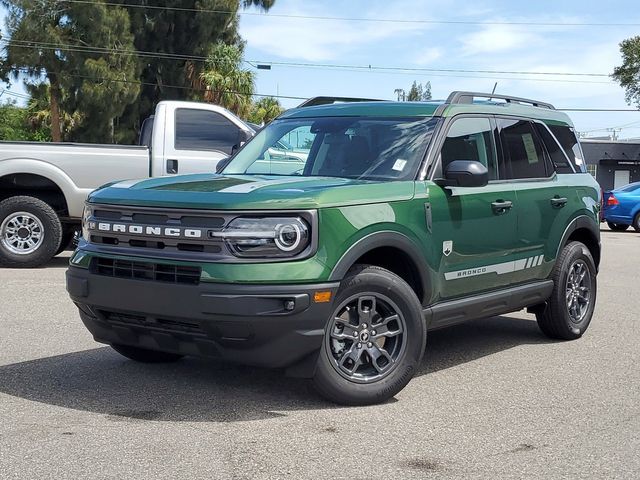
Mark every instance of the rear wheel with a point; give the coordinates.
(568, 311)
(617, 227)
(30, 232)
(144, 355)
(374, 340)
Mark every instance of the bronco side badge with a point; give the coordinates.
(447, 247)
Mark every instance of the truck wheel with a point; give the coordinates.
(636, 222)
(30, 232)
(568, 311)
(617, 227)
(374, 340)
(144, 355)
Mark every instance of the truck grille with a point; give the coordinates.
(158, 272)
(169, 233)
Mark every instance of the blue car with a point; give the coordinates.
(622, 207)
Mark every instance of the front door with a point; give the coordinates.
(473, 230)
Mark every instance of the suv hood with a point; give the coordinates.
(255, 192)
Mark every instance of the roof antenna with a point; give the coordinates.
(495, 85)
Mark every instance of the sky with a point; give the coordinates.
(500, 46)
(494, 39)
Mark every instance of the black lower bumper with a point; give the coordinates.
(271, 326)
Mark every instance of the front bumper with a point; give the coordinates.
(248, 324)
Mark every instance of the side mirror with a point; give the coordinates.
(465, 173)
(243, 137)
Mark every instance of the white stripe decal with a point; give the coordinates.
(498, 268)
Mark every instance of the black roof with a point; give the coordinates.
(595, 151)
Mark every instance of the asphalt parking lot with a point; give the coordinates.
(494, 398)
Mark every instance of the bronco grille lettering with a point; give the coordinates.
(154, 231)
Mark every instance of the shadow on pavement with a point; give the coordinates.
(198, 390)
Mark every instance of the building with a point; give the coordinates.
(613, 163)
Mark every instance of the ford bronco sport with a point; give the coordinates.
(401, 218)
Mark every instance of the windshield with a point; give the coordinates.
(351, 147)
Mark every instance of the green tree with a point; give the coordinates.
(56, 41)
(265, 110)
(15, 125)
(628, 74)
(419, 93)
(180, 38)
(225, 82)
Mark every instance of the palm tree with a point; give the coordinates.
(226, 82)
(265, 110)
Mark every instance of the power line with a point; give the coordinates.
(288, 97)
(361, 19)
(179, 87)
(143, 53)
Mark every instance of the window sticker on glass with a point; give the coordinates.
(399, 165)
(530, 148)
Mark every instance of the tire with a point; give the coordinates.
(30, 232)
(67, 235)
(143, 355)
(401, 339)
(636, 222)
(558, 319)
(618, 227)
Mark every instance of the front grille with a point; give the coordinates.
(146, 271)
(188, 237)
(151, 323)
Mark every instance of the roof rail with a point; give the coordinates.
(329, 100)
(468, 97)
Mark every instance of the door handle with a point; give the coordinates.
(172, 166)
(501, 206)
(558, 202)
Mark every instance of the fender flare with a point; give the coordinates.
(383, 239)
(30, 166)
(581, 222)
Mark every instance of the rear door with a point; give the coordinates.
(473, 229)
(545, 201)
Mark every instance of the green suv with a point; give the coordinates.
(392, 220)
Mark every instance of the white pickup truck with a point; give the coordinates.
(43, 186)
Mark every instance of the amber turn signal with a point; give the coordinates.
(322, 297)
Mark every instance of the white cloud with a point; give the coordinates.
(498, 38)
(427, 56)
(322, 40)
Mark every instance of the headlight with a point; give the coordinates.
(86, 215)
(266, 237)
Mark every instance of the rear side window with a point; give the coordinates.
(524, 154)
(471, 139)
(204, 130)
(555, 151)
(569, 142)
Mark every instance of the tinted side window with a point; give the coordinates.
(470, 139)
(567, 138)
(204, 130)
(523, 153)
(556, 153)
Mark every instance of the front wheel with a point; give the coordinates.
(636, 222)
(568, 312)
(374, 340)
(617, 227)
